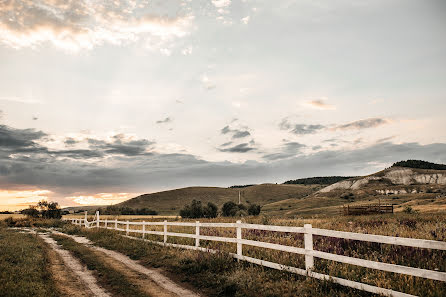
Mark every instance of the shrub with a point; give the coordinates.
(230, 209)
(195, 210)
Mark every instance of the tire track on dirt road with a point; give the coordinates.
(158, 285)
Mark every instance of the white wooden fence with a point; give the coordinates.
(308, 250)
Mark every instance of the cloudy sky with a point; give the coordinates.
(104, 100)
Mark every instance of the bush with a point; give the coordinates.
(195, 210)
(254, 210)
(44, 209)
(230, 209)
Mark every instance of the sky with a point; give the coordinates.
(101, 101)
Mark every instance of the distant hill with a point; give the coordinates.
(322, 180)
(419, 164)
(170, 202)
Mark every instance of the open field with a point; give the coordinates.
(221, 275)
(402, 225)
(14, 215)
(24, 266)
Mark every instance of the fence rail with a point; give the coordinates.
(307, 251)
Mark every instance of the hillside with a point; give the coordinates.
(170, 202)
(421, 189)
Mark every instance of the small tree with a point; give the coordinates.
(31, 212)
(254, 210)
(49, 210)
(192, 211)
(210, 210)
(229, 209)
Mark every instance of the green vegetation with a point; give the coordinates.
(171, 202)
(115, 210)
(323, 180)
(195, 210)
(107, 276)
(240, 186)
(254, 210)
(44, 209)
(230, 209)
(24, 266)
(33, 222)
(419, 164)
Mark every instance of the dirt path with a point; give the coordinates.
(155, 283)
(67, 283)
(77, 268)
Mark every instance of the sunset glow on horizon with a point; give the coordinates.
(101, 101)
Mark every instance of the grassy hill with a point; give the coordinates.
(170, 202)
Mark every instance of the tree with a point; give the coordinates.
(230, 209)
(44, 209)
(254, 210)
(31, 212)
(210, 210)
(49, 210)
(192, 211)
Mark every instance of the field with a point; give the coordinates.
(15, 216)
(220, 275)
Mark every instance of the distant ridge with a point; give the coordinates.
(419, 165)
(321, 180)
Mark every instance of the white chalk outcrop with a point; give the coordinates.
(397, 176)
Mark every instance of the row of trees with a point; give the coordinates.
(419, 164)
(321, 180)
(210, 210)
(44, 209)
(115, 210)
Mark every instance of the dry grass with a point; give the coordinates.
(14, 216)
(404, 225)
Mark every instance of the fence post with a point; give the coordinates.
(143, 229)
(105, 223)
(97, 219)
(127, 228)
(197, 233)
(239, 238)
(165, 231)
(116, 224)
(308, 238)
(85, 221)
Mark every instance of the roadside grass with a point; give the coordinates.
(24, 266)
(215, 274)
(107, 277)
(199, 268)
(27, 222)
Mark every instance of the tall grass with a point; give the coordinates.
(404, 225)
(24, 266)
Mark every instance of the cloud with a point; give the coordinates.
(301, 129)
(239, 148)
(166, 120)
(120, 145)
(363, 124)
(146, 170)
(80, 24)
(19, 139)
(319, 104)
(221, 3)
(236, 133)
(241, 134)
(289, 149)
(69, 141)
